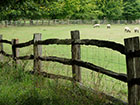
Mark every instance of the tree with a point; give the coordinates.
(69, 9)
(131, 10)
(84, 9)
(23, 9)
(109, 9)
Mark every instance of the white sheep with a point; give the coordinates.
(136, 29)
(127, 29)
(96, 25)
(108, 26)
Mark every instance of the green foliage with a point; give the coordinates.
(56, 11)
(110, 9)
(131, 10)
(84, 9)
(70, 9)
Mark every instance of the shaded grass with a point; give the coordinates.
(20, 88)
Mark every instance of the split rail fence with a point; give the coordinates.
(131, 49)
(64, 21)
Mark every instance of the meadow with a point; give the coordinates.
(103, 57)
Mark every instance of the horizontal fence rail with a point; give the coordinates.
(119, 76)
(6, 41)
(87, 65)
(52, 76)
(20, 45)
(5, 54)
(100, 43)
(130, 50)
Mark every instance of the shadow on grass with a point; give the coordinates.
(20, 88)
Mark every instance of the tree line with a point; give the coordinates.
(70, 9)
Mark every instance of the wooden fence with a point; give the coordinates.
(131, 50)
(64, 21)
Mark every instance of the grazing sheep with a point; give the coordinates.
(136, 29)
(108, 26)
(96, 25)
(127, 29)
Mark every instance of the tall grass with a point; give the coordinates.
(18, 87)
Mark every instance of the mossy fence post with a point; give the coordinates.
(133, 69)
(15, 52)
(1, 48)
(76, 55)
(37, 52)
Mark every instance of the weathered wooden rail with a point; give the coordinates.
(131, 50)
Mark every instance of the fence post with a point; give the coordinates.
(42, 22)
(36, 22)
(15, 52)
(76, 55)
(37, 53)
(1, 48)
(6, 23)
(133, 69)
(24, 22)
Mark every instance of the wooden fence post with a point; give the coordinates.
(36, 22)
(42, 22)
(133, 69)
(24, 22)
(1, 48)
(15, 52)
(6, 23)
(76, 55)
(37, 53)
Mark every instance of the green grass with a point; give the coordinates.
(20, 88)
(100, 56)
(116, 33)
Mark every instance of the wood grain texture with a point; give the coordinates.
(15, 52)
(6, 41)
(76, 55)
(20, 45)
(37, 52)
(133, 69)
(100, 43)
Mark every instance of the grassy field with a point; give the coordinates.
(100, 56)
(20, 88)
